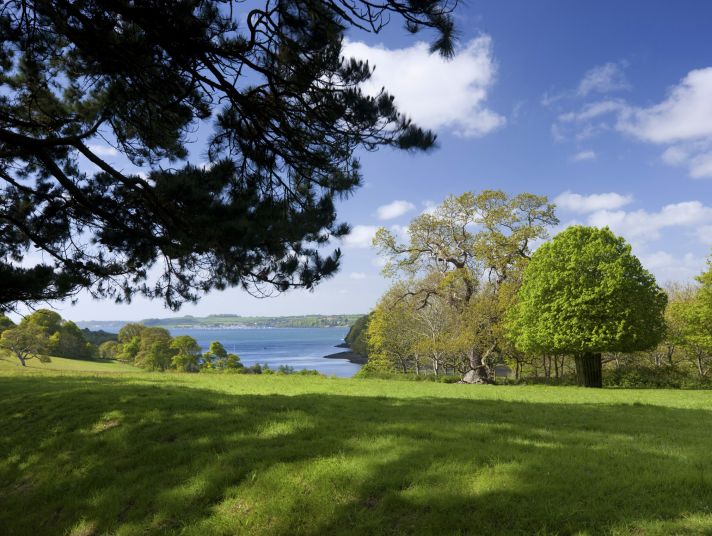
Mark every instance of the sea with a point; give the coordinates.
(301, 348)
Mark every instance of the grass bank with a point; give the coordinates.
(137, 453)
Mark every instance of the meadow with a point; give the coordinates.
(106, 450)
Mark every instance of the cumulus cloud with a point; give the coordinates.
(604, 78)
(360, 236)
(641, 225)
(686, 114)
(667, 267)
(436, 93)
(394, 210)
(582, 156)
(583, 204)
(682, 122)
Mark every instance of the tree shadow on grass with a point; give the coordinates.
(102, 455)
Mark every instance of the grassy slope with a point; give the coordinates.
(209, 454)
(59, 364)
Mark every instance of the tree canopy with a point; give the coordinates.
(285, 114)
(459, 265)
(584, 293)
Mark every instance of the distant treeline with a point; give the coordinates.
(225, 321)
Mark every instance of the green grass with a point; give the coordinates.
(9, 363)
(228, 454)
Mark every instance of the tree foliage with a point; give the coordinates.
(585, 293)
(458, 270)
(26, 341)
(187, 356)
(285, 113)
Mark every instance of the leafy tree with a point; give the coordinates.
(693, 316)
(232, 362)
(468, 239)
(62, 338)
(356, 338)
(109, 349)
(215, 356)
(26, 341)
(187, 354)
(585, 293)
(155, 352)
(287, 116)
(129, 338)
(49, 322)
(68, 341)
(389, 335)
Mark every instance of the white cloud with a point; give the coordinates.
(102, 150)
(583, 156)
(360, 236)
(667, 267)
(686, 114)
(603, 79)
(357, 275)
(436, 93)
(593, 110)
(682, 121)
(641, 225)
(591, 203)
(400, 231)
(606, 78)
(394, 210)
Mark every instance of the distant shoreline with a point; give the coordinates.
(353, 357)
(231, 322)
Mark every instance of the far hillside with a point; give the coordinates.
(234, 321)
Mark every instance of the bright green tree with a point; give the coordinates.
(108, 349)
(694, 318)
(215, 356)
(232, 362)
(129, 338)
(155, 351)
(584, 293)
(187, 354)
(26, 341)
(390, 336)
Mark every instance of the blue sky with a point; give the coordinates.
(605, 107)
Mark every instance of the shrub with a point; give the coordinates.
(654, 378)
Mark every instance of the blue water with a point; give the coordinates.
(301, 348)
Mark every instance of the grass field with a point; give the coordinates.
(135, 453)
(9, 363)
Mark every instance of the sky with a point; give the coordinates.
(605, 107)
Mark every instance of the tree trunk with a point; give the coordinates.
(477, 372)
(22, 360)
(589, 370)
(556, 367)
(700, 369)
